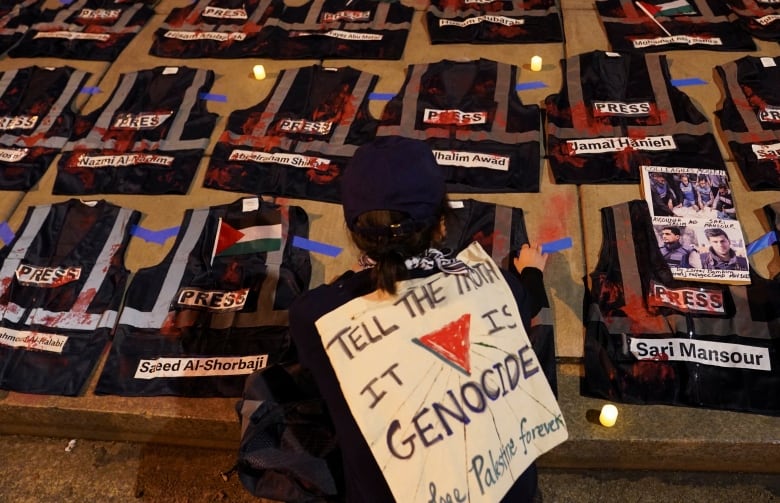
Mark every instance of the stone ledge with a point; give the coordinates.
(646, 437)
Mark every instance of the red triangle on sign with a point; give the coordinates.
(451, 342)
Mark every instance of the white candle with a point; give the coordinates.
(608, 416)
(259, 72)
(536, 63)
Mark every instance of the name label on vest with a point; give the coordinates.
(73, 35)
(212, 300)
(47, 277)
(769, 19)
(718, 354)
(206, 35)
(304, 126)
(51, 343)
(143, 120)
(767, 152)
(107, 161)
(769, 114)
(453, 117)
(18, 122)
(345, 35)
(606, 108)
(601, 145)
(471, 159)
(100, 14)
(676, 39)
(198, 367)
(349, 15)
(686, 300)
(295, 160)
(13, 154)
(487, 18)
(224, 13)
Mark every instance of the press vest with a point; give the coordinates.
(650, 339)
(493, 22)
(298, 140)
(36, 120)
(15, 19)
(616, 112)
(469, 113)
(216, 29)
(710, 26)
(148, 138)
(501, 231)
(61, 284)
(354, 29)
(750, 118)
(85, 29)
(759, 18)
(194, 325)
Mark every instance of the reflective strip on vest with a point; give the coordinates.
(498, 132)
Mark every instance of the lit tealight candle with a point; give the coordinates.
(259, 72)
(608, 416)
(536, 63)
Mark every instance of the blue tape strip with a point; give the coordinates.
(6, 234)
(90, 90)
(212, 97)
(536, 84)
(557, 245)
(316, 246)
(688, 82)
(381, 96)
(151, 236)
(764, 241)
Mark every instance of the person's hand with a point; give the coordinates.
(530, 256)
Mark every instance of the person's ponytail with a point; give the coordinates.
(388, 238)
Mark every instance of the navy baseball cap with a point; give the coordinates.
(393, 173)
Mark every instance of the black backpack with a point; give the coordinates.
(288, 445)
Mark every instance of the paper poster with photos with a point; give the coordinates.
(695, 222)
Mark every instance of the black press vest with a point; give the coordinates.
(469, 113)
(147, 138)
(298, 140)
(750, 118)
(36, 120)
(62, 279)
(652, 340)
(194, 325)
(617, 112)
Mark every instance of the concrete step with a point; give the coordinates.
(649, 437)
(52, 469)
